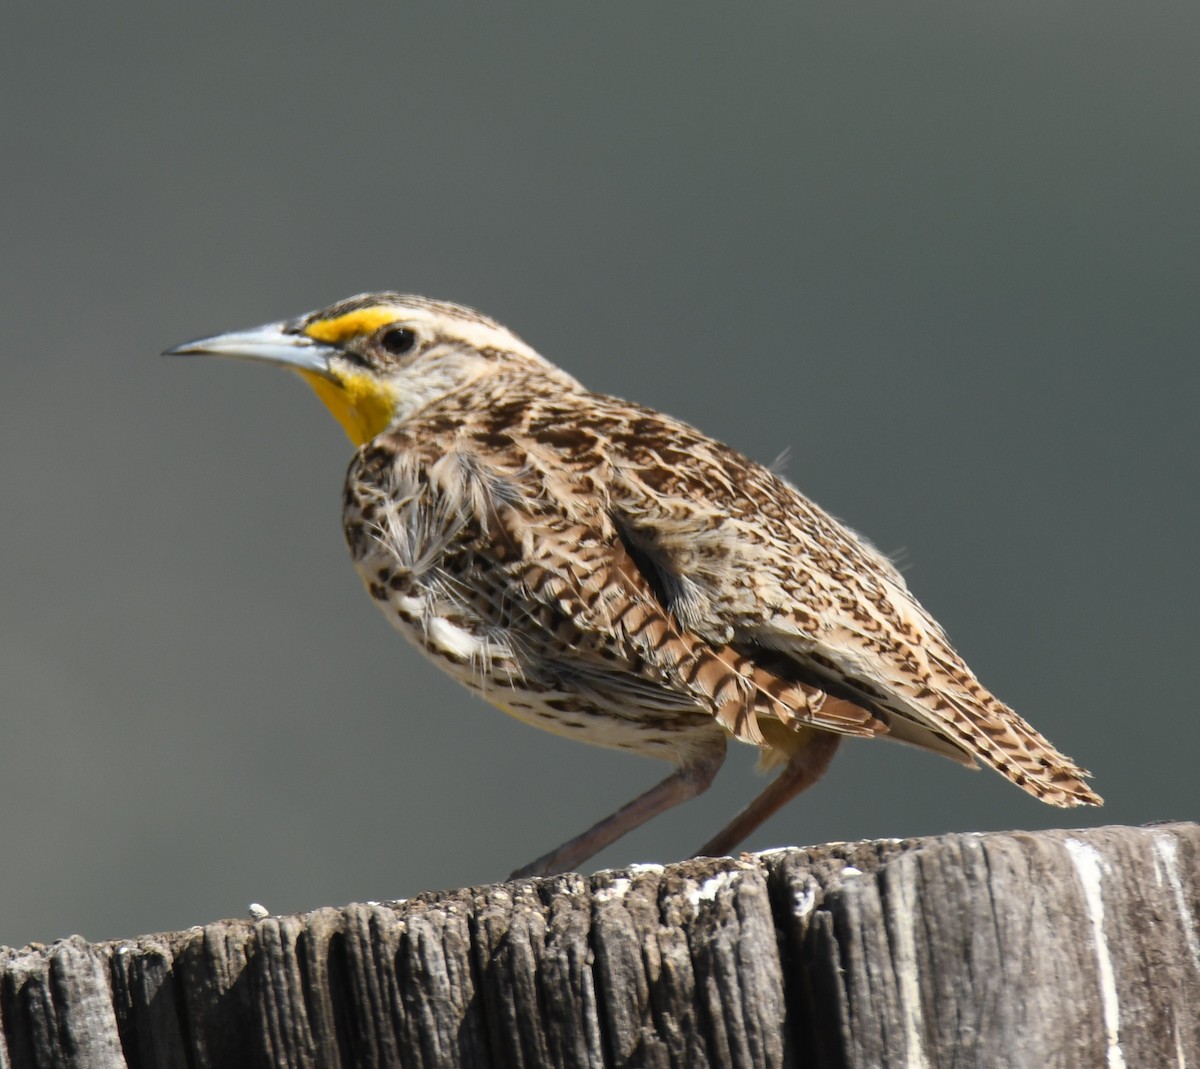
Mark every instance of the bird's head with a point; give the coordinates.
(376, 358)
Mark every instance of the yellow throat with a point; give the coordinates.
(362, 403)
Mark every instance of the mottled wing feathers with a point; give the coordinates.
(752, 563)
(795, 581)
(674, 559)
(575, 560)
(551, 569)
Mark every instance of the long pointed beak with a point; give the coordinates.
(272, 343)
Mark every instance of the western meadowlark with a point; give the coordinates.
(608, 573)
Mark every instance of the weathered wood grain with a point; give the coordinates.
(1026, 950)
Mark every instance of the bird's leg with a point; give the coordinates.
(807, 764)
(685, 782)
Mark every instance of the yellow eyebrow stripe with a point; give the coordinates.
(351, 325)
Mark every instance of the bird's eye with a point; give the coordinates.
(398, 340)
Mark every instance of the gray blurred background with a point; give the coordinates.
(944, 254)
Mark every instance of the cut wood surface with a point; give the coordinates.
(1038, 949)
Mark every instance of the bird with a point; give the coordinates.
(608, 573)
